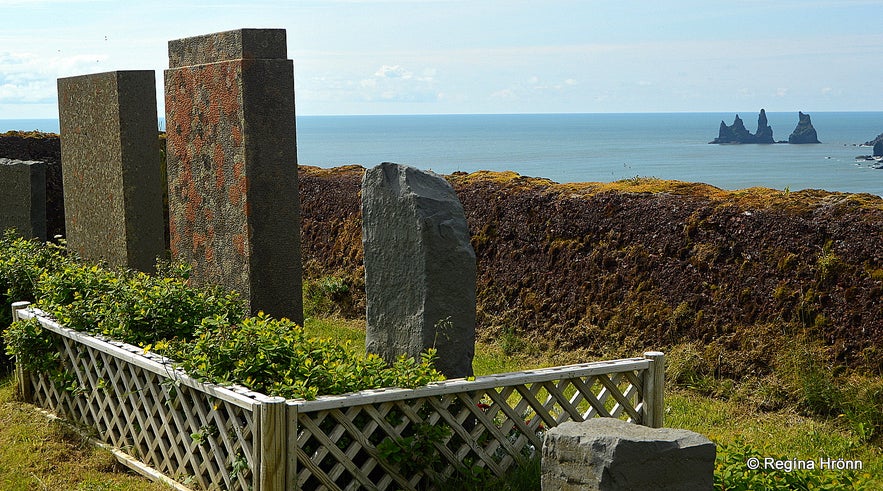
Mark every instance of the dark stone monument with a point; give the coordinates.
(804, 132)
(234, 210)
(420, 268)
(23, 197)
(111, 167)
(611, 454)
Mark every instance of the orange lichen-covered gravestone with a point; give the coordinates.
(232, 164)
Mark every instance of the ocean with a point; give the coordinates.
(594, 147)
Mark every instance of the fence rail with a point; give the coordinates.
(208, 436)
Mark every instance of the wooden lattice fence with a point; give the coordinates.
(207, 436)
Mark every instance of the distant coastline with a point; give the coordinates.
(592, 147)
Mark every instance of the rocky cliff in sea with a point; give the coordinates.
(737, 133)
(877, 143)
(804, 132)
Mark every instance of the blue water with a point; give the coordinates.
(594, 147)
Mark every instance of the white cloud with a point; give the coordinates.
(28, 78)
(394, 71)
(395, 83)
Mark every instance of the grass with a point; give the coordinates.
(38, 454)
(784, 434)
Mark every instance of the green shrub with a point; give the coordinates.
(204, 329)
(22, 263)
(275, 357)
(133, 307)
(328, 295)
(733, 472)
(34, 346)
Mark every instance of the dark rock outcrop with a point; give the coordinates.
(873, 142)
(878, 149)
(804, 132)
(737, 133)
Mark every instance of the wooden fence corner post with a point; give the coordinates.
(654, 390)
(291, 460)
(22, 377)
(273, 439)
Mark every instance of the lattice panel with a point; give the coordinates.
(187, 434)
(492, 428)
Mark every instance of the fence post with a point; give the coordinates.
(654, 389)
(273, 439)
(21, 375)
(291, 460)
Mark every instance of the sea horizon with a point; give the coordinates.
(592, 147)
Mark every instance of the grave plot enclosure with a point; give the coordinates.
(233, 438)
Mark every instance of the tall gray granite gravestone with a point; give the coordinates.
(234, 209)
(111, 167)
(420, 268)
(23, 197)
(611, 454)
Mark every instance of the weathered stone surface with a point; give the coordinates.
(804, 132)
(111, 167)
(23, 197)
(46, 148)
(232, 164)
(611, 454)
(737, 133)
(878, 149)
(419, 268)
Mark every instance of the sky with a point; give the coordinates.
(479, 56)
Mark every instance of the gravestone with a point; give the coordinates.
(611, 454)
(231, 154)
(420, 268)
(23, 197)
(111, 167)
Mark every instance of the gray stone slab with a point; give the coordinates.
(420, 268)
(611, 454)
(23, 197)
(231, 156)
(111, 167)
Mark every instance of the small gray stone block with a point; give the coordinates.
(420, 268)
(611, 454)
(23, 197)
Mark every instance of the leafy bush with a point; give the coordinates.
(22, 263)
(276, 357)
(133, 307)
(732, 472)
(33, 345)
(205, 329)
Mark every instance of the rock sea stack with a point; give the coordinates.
(737, 133)
(804, 132)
